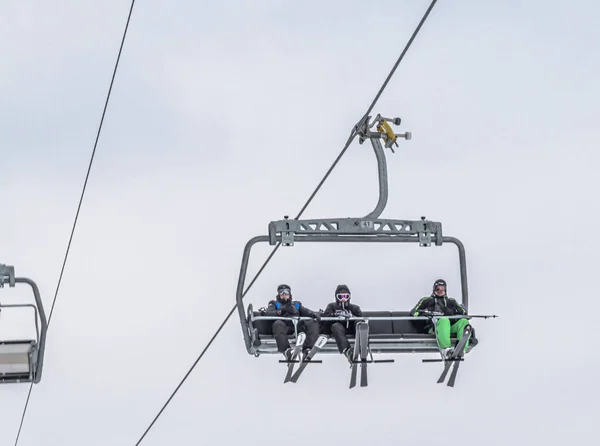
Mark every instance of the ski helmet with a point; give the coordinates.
(440, 282)
(284, 289)
(342, 293)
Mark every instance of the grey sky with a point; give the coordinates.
(225, 117)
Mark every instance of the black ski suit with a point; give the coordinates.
(282, 329)
(340, 329)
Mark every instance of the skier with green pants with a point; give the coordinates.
(440, 304)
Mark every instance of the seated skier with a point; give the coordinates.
(438, 303)
(284, 306)
(339, 330)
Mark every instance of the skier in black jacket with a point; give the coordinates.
(438, 303)
(342, 307)
(284, 306)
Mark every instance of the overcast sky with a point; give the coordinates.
(224, 117)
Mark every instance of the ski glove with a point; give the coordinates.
(288, 310)
(431, 313)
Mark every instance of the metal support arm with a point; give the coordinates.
(383, 179)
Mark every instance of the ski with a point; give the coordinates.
(364, 346)
(452, 378)
(363, 374)
(313, 351)
(295, 353)
(354, 366)
(359, 355)
(455, 358)
(447, 364)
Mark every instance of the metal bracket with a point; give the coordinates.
(427, 231)
(7, 272)
(386, 134)
(384, 130)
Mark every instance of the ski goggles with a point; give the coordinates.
(440, 288)
(343, 296)
(284, 291)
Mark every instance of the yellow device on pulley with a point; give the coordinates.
(391, 136)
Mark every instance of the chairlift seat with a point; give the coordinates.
(17, 361)
(392, 336)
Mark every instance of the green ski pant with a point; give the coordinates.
(444, 330)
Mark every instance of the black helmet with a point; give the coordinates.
(440, 282)
(284, 289)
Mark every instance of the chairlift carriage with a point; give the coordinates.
(21, 360)
(382, 332)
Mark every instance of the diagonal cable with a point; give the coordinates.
(350, 139)
(80, 203)
(408, 44)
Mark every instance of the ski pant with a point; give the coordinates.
(338, 331)
(282, 329)
(445, 329)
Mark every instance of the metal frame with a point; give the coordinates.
(368, 229)
(378, 343)
(37, 346)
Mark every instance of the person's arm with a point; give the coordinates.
(329, 311)
(458, 307)
(307, 312)
(415, 310)
(272, 309)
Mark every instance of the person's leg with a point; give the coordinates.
(338, 331)
(311, 328)
(458, 328)
(443, 332)
(280, 332)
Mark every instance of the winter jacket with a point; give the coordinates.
(292, 308)
(444, 305)
(342, 309)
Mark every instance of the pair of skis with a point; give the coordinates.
(454, 359)
(360, 356)
(293, 377)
